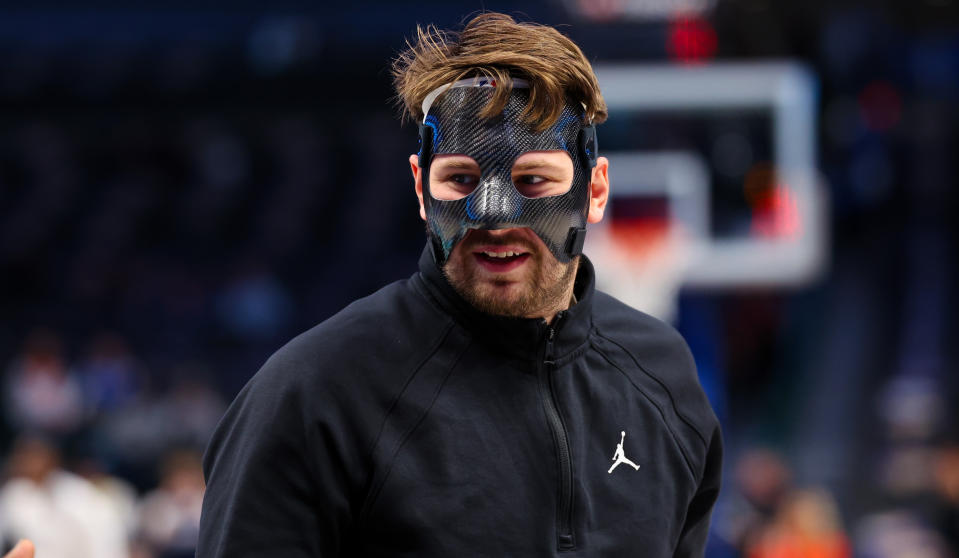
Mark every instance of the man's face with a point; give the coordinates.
(531, 282)
(508, 272)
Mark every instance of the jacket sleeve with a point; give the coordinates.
(273, 489)
(692, 539)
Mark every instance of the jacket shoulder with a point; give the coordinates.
(660, 357)
(343, 371)
(379, 330)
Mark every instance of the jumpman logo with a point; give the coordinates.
(620, 456)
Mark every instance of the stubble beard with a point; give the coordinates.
(544, 289)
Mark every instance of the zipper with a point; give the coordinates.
(564, 518)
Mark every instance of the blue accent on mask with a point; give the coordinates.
(560, 126)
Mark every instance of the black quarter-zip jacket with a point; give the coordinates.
(411, 424)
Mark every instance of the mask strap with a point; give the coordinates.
(588, 145)
(468, 82)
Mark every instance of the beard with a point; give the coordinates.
(542, 287)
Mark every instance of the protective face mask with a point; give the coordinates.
(451, 126)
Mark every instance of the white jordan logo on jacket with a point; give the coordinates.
(620, 455)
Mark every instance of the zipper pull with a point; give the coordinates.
(550, 336)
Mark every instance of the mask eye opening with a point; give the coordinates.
(453, 176)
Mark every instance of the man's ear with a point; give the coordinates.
(418, 182)
(598, 190)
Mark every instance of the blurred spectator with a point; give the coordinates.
(66, 516)
(170, 515)
(254, 306)
(911, 407)
(110, 374)
(762, 480)
(43, 394)
(194, 407)
(136, 436)
(120, 494)
(947, 485)
(806, 526)
(898, 534)
(23, 549)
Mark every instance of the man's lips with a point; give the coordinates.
(500, 258)
(499, 250)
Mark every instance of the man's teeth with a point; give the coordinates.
(502, 254)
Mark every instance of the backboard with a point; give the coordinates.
(713, 181)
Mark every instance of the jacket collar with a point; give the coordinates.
(522, 338)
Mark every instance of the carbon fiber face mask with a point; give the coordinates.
(451, 126)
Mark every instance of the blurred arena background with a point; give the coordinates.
(185, 187)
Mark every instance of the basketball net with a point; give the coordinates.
(642, 263)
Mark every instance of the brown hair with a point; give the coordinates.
(496, 46)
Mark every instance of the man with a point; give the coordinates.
(471, 410)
